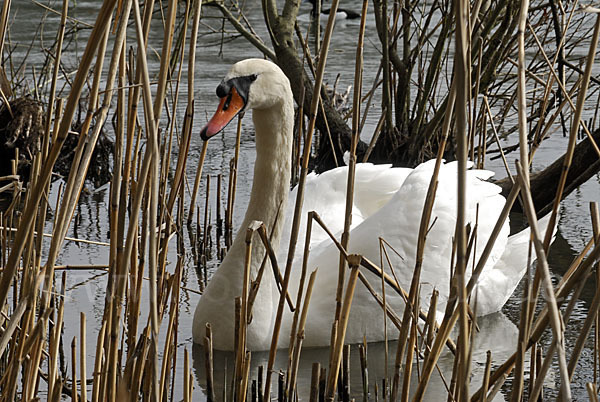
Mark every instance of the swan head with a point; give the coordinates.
(249, 84)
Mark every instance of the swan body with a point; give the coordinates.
(387, 205)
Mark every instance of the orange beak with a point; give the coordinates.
(229, 107)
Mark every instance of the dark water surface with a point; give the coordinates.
(85, 289)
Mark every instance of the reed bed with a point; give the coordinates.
(136, 353)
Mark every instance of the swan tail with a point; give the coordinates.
(499, 283)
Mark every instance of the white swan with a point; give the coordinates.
(387, 204)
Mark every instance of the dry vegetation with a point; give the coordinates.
(135, 355)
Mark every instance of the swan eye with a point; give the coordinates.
(240, 84)
(227, 101)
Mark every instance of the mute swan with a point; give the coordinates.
(387, 204)
(341, 14)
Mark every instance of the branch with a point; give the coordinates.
(253, 39)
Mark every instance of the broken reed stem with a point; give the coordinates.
(186, 377)
(74, 370)
(82, 357)
(208, 359)
(314, 382)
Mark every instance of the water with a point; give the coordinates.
(85, 289)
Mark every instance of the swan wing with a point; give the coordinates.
(397, 222)
(325, 194)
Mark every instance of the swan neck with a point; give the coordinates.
(272, 169)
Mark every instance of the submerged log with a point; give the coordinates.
(585, 164)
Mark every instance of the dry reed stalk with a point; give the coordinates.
(542, 264)
(168, 142)
(497, 139)
(234, 175)
(57, 57)
(166, 216)
(151, 126)
(314, 382)
(245, 375)
(300, 194)
(486, 375)
(55, 340)
(67, 238)
(411, 300)
(205, 227)
(186, 377)
(241, 352)
(431, 323)
(524, 329)
(74, 394)
(118, 168)
(595, 214)
(305, 256)
(82, 358)
(149, 172)
(295, 360)
(130, 163)
(522, 100)
(408, 365)
(345, 238)
(98, 363)
(197, 182)
(591, 389)
(533, 370)
(462, 77)
(208, 359)
(170, 338)
(364, 372)
(13, 324)
(391, 314)
(141, 351)
(4, 24)
(334, 364)
(190, 107)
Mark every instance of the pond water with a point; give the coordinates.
(85, 289)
